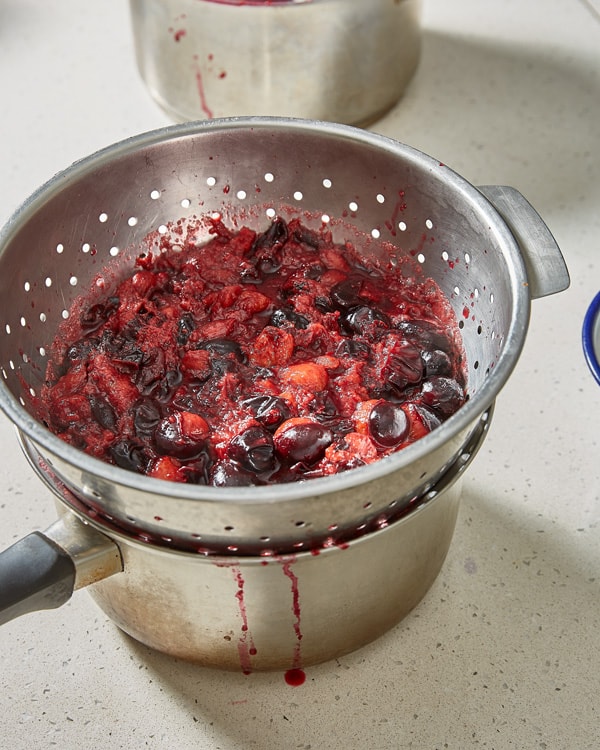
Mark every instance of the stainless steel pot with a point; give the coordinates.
(341, 60)
(254, 613)
(487, 249)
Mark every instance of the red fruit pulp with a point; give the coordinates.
(255, 358)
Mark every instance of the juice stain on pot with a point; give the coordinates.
(289, 573)
(203, 103)
(246, 647)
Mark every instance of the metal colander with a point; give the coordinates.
(490, 256)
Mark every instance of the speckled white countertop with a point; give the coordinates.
(504, 652)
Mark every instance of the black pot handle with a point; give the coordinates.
(35, 573)
(42, 570)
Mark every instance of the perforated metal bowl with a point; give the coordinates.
(486, 248)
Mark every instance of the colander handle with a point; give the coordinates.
(42, 570)
(546, 269)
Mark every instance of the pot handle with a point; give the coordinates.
(42, 570)
(546, 269)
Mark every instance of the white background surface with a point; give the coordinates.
(504, 650)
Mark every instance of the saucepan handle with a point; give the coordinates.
(546, 269)
(42, 570)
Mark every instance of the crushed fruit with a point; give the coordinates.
(255, 358)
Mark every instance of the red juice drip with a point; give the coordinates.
(246, 647)
(289, 573)
(205, 108)
(295, 677)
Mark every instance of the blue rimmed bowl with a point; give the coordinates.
(591, 337)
